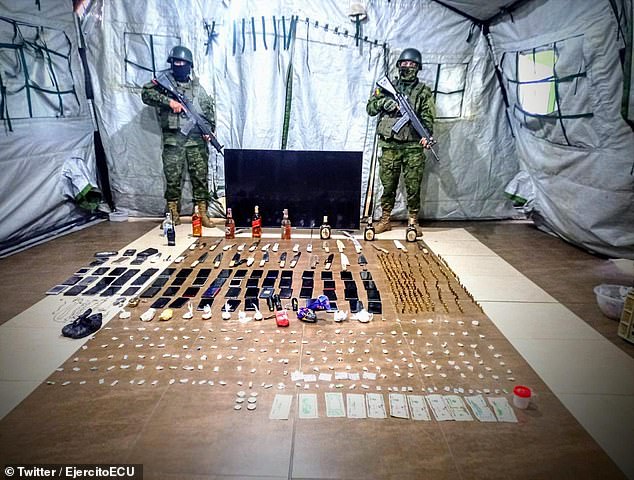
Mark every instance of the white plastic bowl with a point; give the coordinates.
(611, 299)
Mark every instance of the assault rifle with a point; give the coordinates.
(409, 115)
(195, 119)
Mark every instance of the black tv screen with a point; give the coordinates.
(310, 184)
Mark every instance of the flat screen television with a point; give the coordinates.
(310, 184)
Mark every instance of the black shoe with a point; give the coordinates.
(83, 326)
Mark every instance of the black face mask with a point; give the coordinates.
(181, 72)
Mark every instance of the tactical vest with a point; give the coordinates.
(173, 121)
(414, 92)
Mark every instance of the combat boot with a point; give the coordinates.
(174, 210)
(202, 209)
(412, 221)
(383, 225)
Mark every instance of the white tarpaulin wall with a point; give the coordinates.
(290, 74)
(247, 71)
(45, 121)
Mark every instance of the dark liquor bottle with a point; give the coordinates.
(230, 226)
(368, 232)
(286, 226)
(256, 224)
(324, 230)
(197, 223)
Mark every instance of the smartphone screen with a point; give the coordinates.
(160, 302)
(179, 302)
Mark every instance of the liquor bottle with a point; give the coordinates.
(197, 223)
(368, 232)
(256, 224)
(230, 225)
(286, 226)
(168, 229)
(324, 230)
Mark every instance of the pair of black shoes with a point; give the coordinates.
(87, 323)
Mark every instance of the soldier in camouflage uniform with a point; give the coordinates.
(178, 148)
(402, 150)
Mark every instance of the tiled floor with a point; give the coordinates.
(536, 289)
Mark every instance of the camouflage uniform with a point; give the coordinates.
(179, 149)
(402, 151)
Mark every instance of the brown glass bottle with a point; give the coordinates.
(230, 226)
(286, 226)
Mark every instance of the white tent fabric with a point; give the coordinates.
(291, 74)
(41, 125)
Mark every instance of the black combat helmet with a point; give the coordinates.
(182, 53)
(410, 54)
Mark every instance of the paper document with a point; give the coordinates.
(502, 409)
(356, 405)
(281, 408)
(308, 405)
(334, 404)
(480, 408)
(458, 408)
(439, 407)
(418, 407)
(398, 405)
(376, 405)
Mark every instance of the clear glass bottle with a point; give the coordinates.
(286, 226)
(256, 224)
(197, 223)
(230, 226)
(168, 230)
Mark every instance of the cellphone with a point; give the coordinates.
(184, 272)
(191, 292)
(148, 252)
(286, 282)
(346, 275)
(56, 290)
(171, 291)
(224, 273)
(160, 302)
(306, 292)
(375, 307)
(286, 292)
(257, 273)
(82, 271)
(252, 292)
(330, 294)
(219, 282)
(287, 274)
(326, 275)
(204, 272)
(308, 283)
(160, 282)
(87, 280)
(168, 272)
(118, 271)
(109, 291)
(150, 292)
(329, 284)
(251, 303)
(266, 292)
(241, 273)
(235, 282)
(350, 294)
(75, 290)
(233, 304)
(268, 282)
(179, 302)
(349, 285)
(233, 292)
(308, 274)
(131, 291)
(373, 296)
(369, 285)
(199, 281)
(366, 275)
(211, 292)
(272, 274)
(203, 302)
(333, 307)
(101, 270)
(178, 280)
(129, 252)
(253, 282)
(356, 306)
